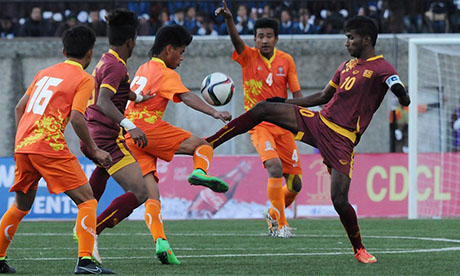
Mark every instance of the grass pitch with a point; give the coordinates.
(242, 247)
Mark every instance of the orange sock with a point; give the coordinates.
(8, 227)
(153, 219)
(202, 157)
(86, 227)
(276, 197)
(289, 196)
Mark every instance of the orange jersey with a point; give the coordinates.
(53, 94)
(161, 81)
(263, 78)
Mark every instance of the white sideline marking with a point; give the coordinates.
(254, 255)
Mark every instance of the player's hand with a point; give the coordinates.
(222, 115)
(276, 100)
(139, 137)
(103, 158)
(224, 11)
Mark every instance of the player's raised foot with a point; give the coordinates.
(285, 232)
(6, 268)
(165, 253)
(364, 257)
(272, 223)
(85, 265)
(199, 177)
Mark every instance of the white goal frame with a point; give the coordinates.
(413, 93)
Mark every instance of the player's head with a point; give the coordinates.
(170, 43)
(361, 32)
(78, 43)
(266, 35)
(121, 28)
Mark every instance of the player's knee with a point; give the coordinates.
(340, 203)
(274, 168)
(141, 193)
(260, 109)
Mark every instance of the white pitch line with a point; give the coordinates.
(254, 255)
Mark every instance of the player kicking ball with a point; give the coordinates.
(350, 99)
(165, 140)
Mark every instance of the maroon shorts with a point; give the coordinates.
(336, 149)
(113, 142)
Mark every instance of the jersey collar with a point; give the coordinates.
(74, 63)
(159, 61)
(268, 61)
(115, 54)
(374, 58)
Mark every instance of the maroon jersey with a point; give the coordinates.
(111, 73)
(360, 88)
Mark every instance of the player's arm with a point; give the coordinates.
(78, 122)
(104, 102)
(195, 102)
(396, 86)
(237, 42)
(21, 108)
(315, 99)
(297, 94)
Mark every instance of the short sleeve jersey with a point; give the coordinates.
(53, 94)
(360, 90)
(110, 72)
(265, 78)
(161, 81)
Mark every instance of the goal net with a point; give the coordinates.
(434, 137)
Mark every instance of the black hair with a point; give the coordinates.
(363, 26)
(121, 26)
(266, 22)
(174, 35)
(77, 41)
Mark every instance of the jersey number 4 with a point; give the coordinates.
(42, 95)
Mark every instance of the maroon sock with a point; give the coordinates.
(239, 125)
(118, 210)
(98, 181)
(350, 222)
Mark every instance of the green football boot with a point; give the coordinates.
(199, 177)
(164, 252)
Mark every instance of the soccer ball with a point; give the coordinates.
(217, 89)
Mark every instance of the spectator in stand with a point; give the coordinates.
(145, 27)
(241, 21)
(413, 21)
(253, 16)
(163, 19)
(455, 124)
(190, 19)
(305, 25)
(178, 18)
(70, 22)
(94, 23)
(437, 17)
(139, 7)
(7, 28)
(395, 16)
(35, 25)
(268, 11)
(206, 25)
(287, 26)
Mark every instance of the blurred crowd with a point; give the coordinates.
(25, 19)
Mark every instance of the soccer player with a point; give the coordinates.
(164, 140)
(351, 98)
(267, 72)
(57, 94)
(105, 120)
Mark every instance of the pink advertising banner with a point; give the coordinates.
(379, 188)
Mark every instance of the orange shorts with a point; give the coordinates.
(60, 173)
(272, 141)
(163, 142)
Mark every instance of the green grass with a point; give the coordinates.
(224, 247)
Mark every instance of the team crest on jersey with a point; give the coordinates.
(368, 73)
(280, 71)
(350, 65)
(355, 72)
(268, 146)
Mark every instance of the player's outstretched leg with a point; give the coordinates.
(165, 253)
(86, 266)
(364, 257)
(201, 159)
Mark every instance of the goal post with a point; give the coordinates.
(434, 160)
